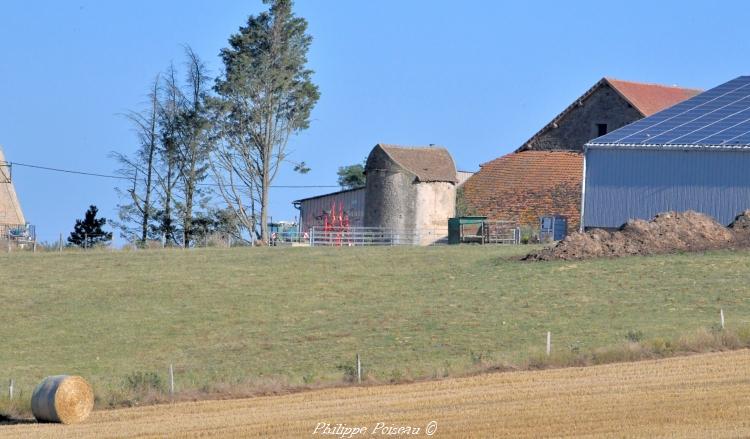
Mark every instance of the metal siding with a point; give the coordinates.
(637, 183)
(312, 210)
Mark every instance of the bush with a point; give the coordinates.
(634, 336)
(142, 382)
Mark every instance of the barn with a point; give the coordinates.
(544, 175)
(313, 210)
(410, 189)
(692, 156)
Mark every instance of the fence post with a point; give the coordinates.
(171, 380)
(10, 389)
(721, 315)
(60, 243)
(359, 370)
(549, 342)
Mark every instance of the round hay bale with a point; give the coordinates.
(62, 398)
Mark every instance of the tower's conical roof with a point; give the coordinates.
(10, 208)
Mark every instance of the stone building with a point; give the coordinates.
(411, 190)
(11, 214)
(544, 176)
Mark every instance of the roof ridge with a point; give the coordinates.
(652, 84)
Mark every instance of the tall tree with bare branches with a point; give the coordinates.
(194, 143)
(141, 169)
(265, 95)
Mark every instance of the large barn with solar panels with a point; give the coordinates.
(692, 156)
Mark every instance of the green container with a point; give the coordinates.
(465, 229)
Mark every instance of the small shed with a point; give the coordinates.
(692, 156)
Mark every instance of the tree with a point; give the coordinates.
(265, 95)
(193, 143)
(169, 125)
(141, 169)
(88, 232)
(352, 176)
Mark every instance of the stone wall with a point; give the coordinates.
(603, 106)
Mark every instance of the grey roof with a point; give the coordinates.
(715, 119)
(361, 188)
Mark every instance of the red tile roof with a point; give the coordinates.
(523, 186)
(651, 98)
(646, 98)
(432, 163)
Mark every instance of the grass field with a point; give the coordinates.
(698, 396)
(249, 318)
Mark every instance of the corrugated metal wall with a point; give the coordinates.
(312, 210)
(630, 183)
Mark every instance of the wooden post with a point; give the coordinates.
(10, 389)
(171, 379)
(60, 243)
(549, 342)
(359, 370)
(721, 316)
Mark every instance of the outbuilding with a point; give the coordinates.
(411, 189)
(11, 214)
(692, 156)
(544, 175)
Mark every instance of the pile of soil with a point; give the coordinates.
(667, 233)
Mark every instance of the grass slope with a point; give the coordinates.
(299, 314)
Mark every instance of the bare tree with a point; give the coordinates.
(169, 123)
(193, 145)
(141, 169)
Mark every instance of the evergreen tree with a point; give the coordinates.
(265, 95)
(352, 176)
(88, 232)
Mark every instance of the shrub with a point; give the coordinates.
(144, 381)
(634, 336)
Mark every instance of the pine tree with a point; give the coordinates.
(265, 96)
(88, 232)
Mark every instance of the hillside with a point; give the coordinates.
(243, 321)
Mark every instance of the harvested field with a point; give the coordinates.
(668, 232)
(697, 396)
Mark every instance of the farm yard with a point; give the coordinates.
(697, 396)
(241, 322)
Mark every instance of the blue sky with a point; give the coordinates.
(477, 77)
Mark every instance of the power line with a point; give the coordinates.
(120, 177)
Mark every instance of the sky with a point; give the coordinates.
(477, 77)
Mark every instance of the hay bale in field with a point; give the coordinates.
(62, 398)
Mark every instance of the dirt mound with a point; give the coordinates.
(667, 233)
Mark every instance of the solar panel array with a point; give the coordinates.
(719, 118)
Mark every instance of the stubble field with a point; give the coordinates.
(689, 397)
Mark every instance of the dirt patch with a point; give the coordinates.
(667, 233)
